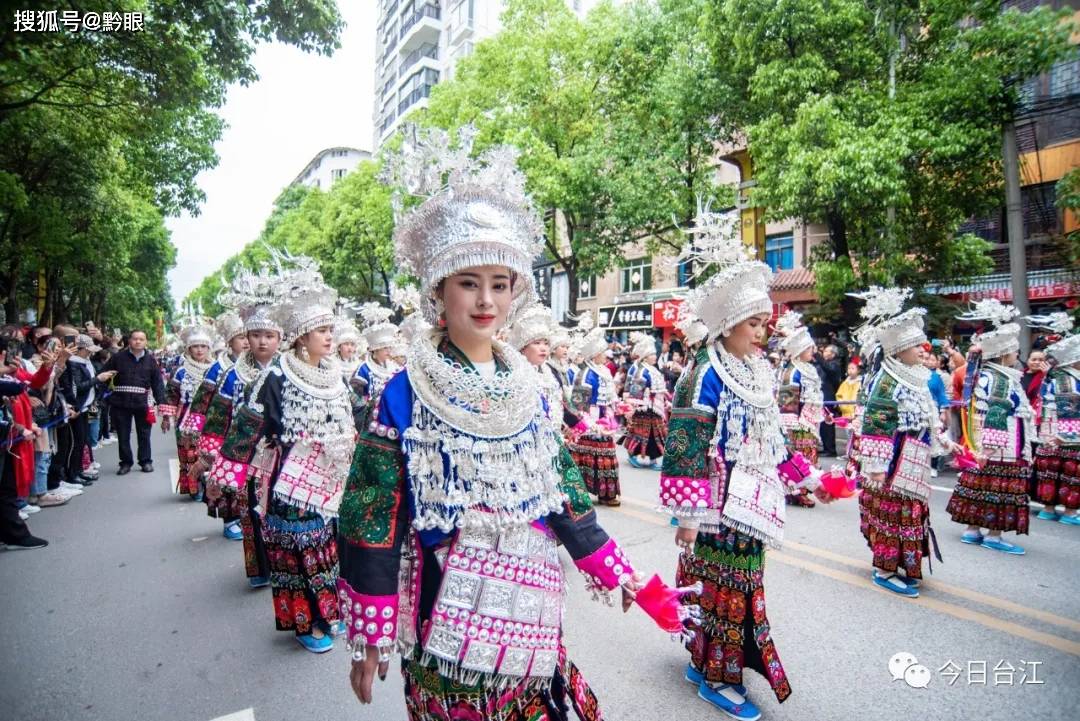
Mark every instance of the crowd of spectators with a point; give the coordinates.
(54, 398)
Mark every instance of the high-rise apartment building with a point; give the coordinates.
(419, 42)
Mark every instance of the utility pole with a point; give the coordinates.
(1014, 226)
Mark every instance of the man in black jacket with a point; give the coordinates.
(137, 377)
(830, 370)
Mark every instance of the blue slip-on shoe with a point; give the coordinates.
(674, 521)
(635, 462)
(259, 581)
(657, 465)
(1047, 516)
(1069, 520)
(335, 629)
(744, 711)
(974, 539)
(233, 532)
(894, 583)
(693, 675)
(909, 582)
(315, 645)
(996, 544)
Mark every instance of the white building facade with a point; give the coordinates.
(330, 165)
(418, 43)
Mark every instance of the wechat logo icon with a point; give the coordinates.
(904, 666)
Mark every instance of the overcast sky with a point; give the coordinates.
(300, 105)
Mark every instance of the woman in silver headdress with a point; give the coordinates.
(295, 434)
(223, 443)
(802, 404)
(460, 484)
(724, 472)
(197, 337)
(897, 429)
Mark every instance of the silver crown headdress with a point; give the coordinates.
(532, 323)
(345, 331)
(196, 329)
(796, 336)
(1067, 350)
(643, 345)
(887, 324)
(229, 325)
(693, 330)
(474, 212)
(379, 332)
(252, 294)
(1004, 336)
(304, 301)
(740, 288)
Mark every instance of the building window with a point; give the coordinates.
(338, 173)
(1041, 215)
(636, 276)
(1065, 77)
(586, 287)
(683, 273)
(780, 251)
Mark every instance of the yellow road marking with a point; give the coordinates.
(965, 593)
(983, 619)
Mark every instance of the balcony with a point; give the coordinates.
(421, 28)
(413, 98)
(430, 52)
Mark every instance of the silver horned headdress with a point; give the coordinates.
(1004, 335)
(740, 288)
(887, 324)
(474, 212)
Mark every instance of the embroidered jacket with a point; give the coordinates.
(895, 432)
(1060, 419)
(253, 444)
(801, 400)
(195, 418)
(368, 382)
(710, 428)
(1001, 416)
(393, 571)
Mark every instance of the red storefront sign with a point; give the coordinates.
(1046, 291)
(666, 313)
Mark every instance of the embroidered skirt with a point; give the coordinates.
(222, 502)
(804, 442)
(595, 456)
(302, 550)
(432, 697)
(646, 433)
(896, 527)
(256, 564)
(1057, 476)
(187, 452)
(734, 633)
(993, 497)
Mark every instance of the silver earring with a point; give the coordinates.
(440, 308)
(726, 333)
(304, 355)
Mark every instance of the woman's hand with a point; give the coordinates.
(362, 674)
(630, 589)
(685, 538)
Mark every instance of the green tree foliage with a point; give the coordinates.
(103, 133)
(892, 161)
(614, 114)
(346, 229)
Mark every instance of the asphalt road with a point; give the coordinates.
(139, 610)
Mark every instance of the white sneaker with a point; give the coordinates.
(933, 473)
(31, 508)
(72, 486)
(95, 466)
(67, 492)
(24, 515)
